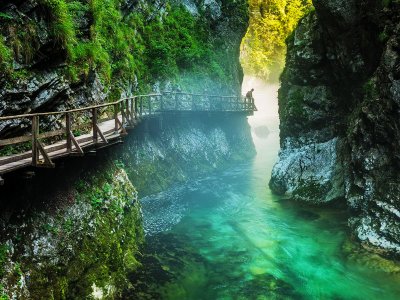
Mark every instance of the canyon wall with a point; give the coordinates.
(339, 107)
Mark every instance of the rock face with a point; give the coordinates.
(81, 241)
(339, 110)
(161, 154)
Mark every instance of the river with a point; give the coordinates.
(226, 236)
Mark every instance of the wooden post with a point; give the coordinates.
(67, 131)
(149, 105)
(122, 109)
(133, 113)
(136, 107)
(162, 102)
(35, 134)
(94, 124)
(141, 106)
(176, 101)
(116, 118)
(127, 111)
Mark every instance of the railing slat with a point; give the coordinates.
(15, 140)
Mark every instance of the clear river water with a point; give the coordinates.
(226, 236)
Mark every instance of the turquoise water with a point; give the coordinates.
(226, 236)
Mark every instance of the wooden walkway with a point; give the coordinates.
(84, 129)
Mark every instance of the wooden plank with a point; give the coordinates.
(51, 133)
(67, 131)
(15, 140)
(13, 158)
(94, 124)
(35, 133)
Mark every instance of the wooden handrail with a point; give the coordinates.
(130, 109)
(103, 127)
(30, 115)
(73, 110)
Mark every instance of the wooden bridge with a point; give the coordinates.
(83, 129)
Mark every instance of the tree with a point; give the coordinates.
(263, 48)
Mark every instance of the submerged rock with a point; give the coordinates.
(261, 132)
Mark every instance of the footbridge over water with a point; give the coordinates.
(78, 131)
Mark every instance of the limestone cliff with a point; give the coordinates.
(339, 106)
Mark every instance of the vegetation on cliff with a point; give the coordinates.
(77, 251)
(123, 42)
(271, 22)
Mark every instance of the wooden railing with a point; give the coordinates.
(98, 123)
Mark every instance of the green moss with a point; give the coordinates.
(5, 56)
(295, 105)
(3, 257)
(383, 37)
(86, 244)
(370, 89)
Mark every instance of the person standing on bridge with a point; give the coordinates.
(249, 96)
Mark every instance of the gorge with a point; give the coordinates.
(182, 208)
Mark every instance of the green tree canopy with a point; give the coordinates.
(263, 48)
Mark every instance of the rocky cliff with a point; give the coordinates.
(62, 54)
(339, 106)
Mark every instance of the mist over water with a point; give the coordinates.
(226, 236)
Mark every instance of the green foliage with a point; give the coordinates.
(370, 89)
(15, 149)
(62, 27)
(3, 296)
(148, 44)
(5, 56)
(263, 49)
(5, 16)
(383, 36)
(3, 257)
